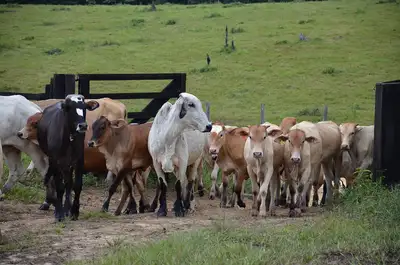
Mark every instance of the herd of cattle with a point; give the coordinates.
(74, 136)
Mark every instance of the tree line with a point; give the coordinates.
(133, 2)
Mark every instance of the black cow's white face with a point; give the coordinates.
(75, 107)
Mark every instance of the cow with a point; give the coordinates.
(175, 128)
(216, 129)
(125, 149)
(264, 158)
(61, 134)
(358, 142)
(94, 161)
(287, 123)
(15, 110)
(307, 147)
(227, 150)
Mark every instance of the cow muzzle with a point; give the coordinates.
(345, 147)
(257, 154)
(81, 127)
(20, 135)
(214, 154)
(295, 158)
(91, 143)
(208, 128)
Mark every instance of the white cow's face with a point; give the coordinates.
(191, 113)
(348, 131)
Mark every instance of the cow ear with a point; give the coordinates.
(64, 105)
(117, 124)
(274, 132)
(281, 139)
(244, 131)
(358, 128)
(183, 110)
(92, 105)
(312, 139)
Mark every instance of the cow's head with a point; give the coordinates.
(191, 114)
(348, 131)
(295, 140)
(287, 123)
(257, 135)
(103, 130)
(75, 107)
(217, 140)
(29, 131)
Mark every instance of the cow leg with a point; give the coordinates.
(324, 191)
(316, 187)
(255, 190)
(14, 163)
(329, 178)
(273, 186)
(162, 211)
(120, 176)
(140, 185)
(232, 201)
(77, 188)
(214, 191)
(224, 195)
(278, 190)
(307, 179)
(154, 204)
(337, 167)
(132, 206)
(200, 185)
(282, 198)
(124, 196)
(239, 190)
(68, 187)
(58, 181)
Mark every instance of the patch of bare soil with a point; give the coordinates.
(32, 237)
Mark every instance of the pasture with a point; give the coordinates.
(350, 46)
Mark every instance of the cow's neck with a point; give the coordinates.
(172, 129)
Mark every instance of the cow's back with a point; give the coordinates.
(330, 138)
(15, 111)
(45, 103)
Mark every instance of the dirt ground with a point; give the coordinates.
(34, 238)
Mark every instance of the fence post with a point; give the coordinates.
(325, 113)
(262, 114)
(69, 84)
(83, 86)
(59, 86)
(208, 110)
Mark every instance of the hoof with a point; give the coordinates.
(254, 212)
(105, 207)
(241, 204)
(273, 213)
(162, 212)
(74, 212)
(211, 197)
(201, 191)
(314, 204)
(153, 208)
(293, 213)
(303, 210)
(179, 208)
(44, 207)
(145, 208)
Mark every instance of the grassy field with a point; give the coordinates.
(351, 45)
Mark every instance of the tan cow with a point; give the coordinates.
(307, 146)
(125, 149)
(264, 157)
(227, 150)
(287, 123)
(358, 142)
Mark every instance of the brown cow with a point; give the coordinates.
(125, 149)
(264, 157)
(287, 123)
(227, 150)
(307, 146)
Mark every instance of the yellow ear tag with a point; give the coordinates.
(282, 142)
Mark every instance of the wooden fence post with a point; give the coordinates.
(262, 114)
(59, 86)
(69, 84)
(208, 110)
(325, 118)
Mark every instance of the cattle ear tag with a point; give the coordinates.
(282, 142)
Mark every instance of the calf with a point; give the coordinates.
(308, 146)
(60, 134)
(15, 110)
(264, 157)
(227, 150)
(176, 127)
(125, 149)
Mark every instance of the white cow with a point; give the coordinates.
(169, 145)
(358, 141)
(15, 111)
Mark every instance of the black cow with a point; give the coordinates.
(61, 134)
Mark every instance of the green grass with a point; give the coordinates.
(362, 229)
(351, 45)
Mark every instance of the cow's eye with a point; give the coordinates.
(191, 104)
